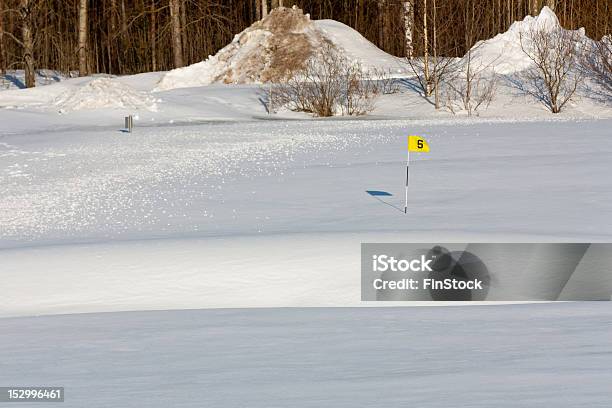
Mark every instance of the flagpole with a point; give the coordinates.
(407, 170)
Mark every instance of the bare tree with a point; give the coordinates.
(83, 71)
(431, 73)
(385, 82)
(359, 90)
(430, 70)
(177, 41)
(184, 40)
(124, 22)
(153, 36)
(27, 42)
(112, 28)
(264, 8)
(555, 54)
(2, 50)
(436, 77)
(327, 85)
(598, 64)
(473, 85)
(426, 76)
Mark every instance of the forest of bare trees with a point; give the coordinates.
(131, 36)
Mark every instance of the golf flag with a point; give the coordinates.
(417, 144)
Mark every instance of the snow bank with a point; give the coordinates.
(503, 52)
(273, 48)
(357, 48)
(270, 49)
(104, 93)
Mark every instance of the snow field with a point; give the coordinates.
(516, 355)
(269, 213)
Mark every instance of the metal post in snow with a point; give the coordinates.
(270, 100)
(407, 173)
(129, 123)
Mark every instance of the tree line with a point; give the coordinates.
(132, 36)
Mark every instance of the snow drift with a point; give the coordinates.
(503, 53)
(104, 93)
(271, 49)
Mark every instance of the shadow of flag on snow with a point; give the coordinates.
(377, 194)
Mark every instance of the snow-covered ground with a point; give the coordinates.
(234, 214)
(213, 203)
(545, 355)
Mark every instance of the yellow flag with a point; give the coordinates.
(417, 144)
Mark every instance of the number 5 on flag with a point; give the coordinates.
(417, 144)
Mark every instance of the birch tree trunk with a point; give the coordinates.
(408, 23)
(426, 52)
(436, 76)
(177, 44)
(83, 38)
(264, 8)
(28, 43)
(257, 10)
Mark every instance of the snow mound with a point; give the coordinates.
(271, 49)
(503, 53)
(105, 93)
(357, 48)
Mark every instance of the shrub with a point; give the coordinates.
(328, 84)
(555, 53)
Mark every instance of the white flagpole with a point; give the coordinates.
(407, 170)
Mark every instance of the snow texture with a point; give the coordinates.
(104, 93)
(542, 355)
(271, 213)
(356, 48)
